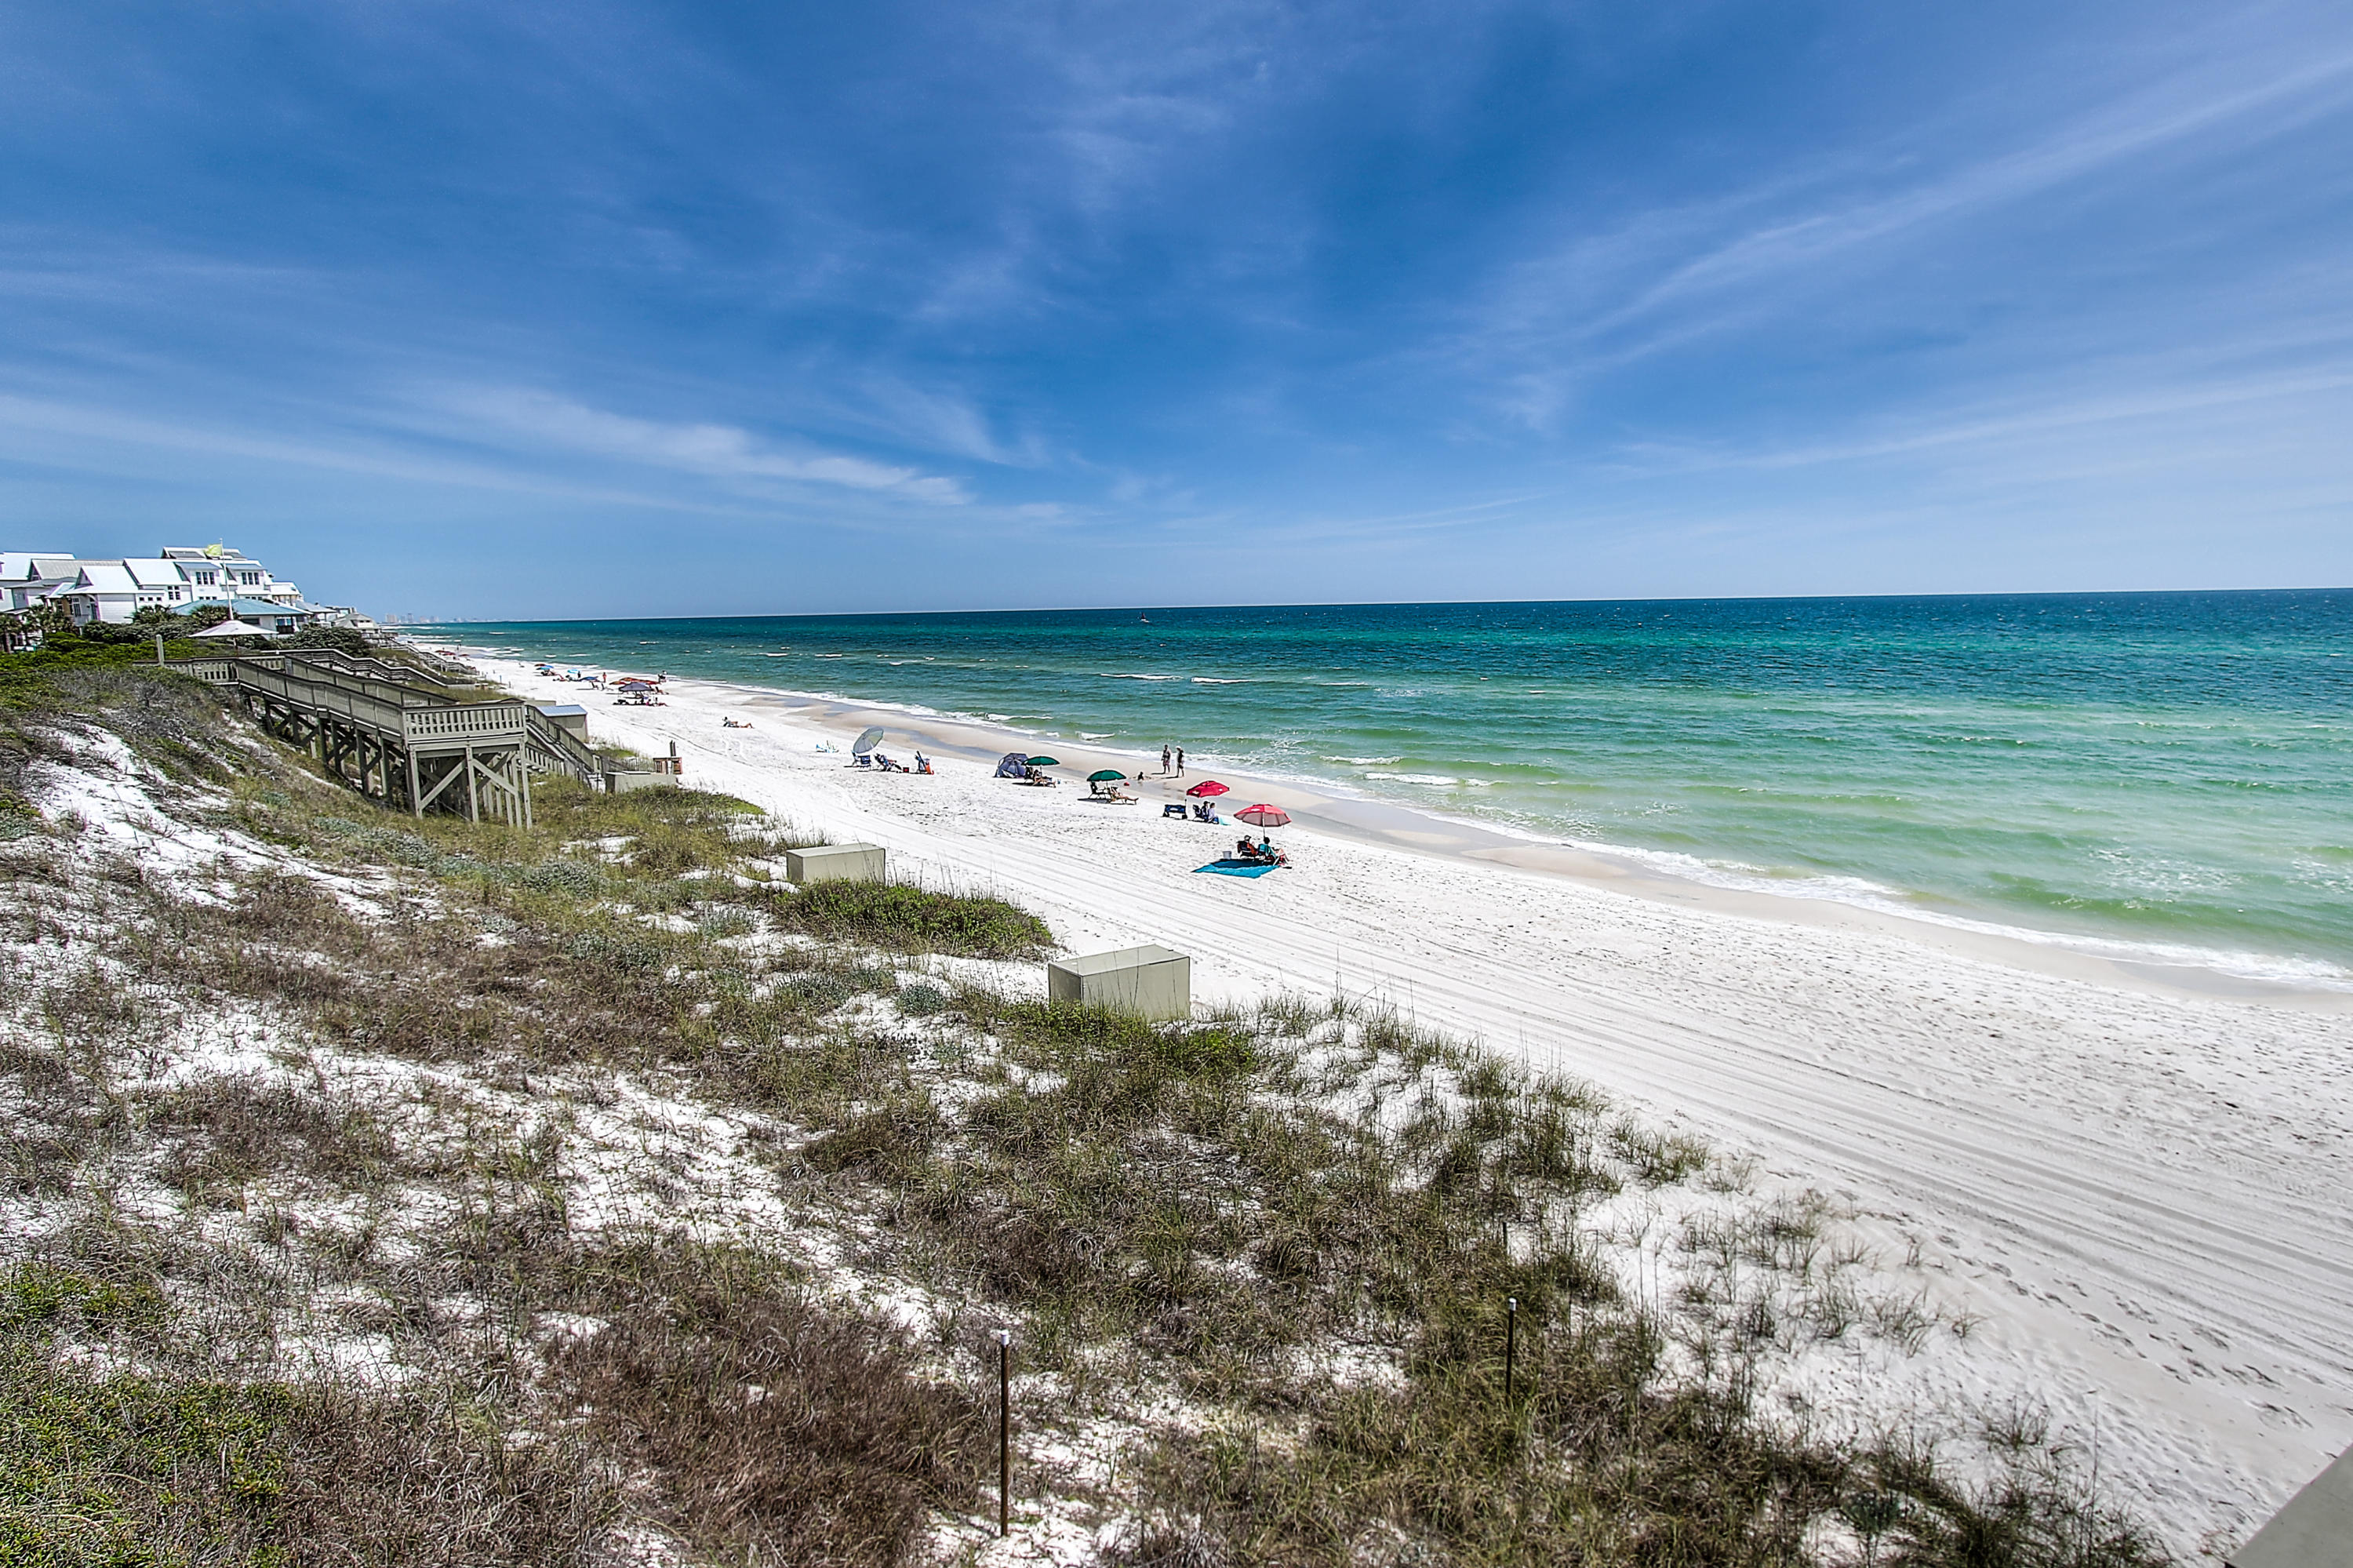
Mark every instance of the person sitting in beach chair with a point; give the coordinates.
(729, 723)
(1269, 853)
(1040, 776)
(1201, 812)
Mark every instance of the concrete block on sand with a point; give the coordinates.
(1150, 983)
(2315, 1529)
(620, 781)
(835, 862)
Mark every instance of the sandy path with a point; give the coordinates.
(2144, 1197)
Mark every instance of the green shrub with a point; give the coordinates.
(612, 951)
(901, 917)
(724, 921)
(923, 999)
(819, 993)
(41, 1293)
(340, 639)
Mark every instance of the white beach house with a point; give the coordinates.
(216, 575)
(27, 577)
(182, 578)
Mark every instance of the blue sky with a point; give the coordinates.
(603, 308)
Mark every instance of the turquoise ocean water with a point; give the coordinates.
(2165, 771)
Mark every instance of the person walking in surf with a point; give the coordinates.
(1164, 757)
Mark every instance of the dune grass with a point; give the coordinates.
(904, 919)
(113, 1469)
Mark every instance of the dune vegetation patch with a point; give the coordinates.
(900, 917)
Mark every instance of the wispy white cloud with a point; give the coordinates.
(937, 420)
(718, 451)
(1668, 276)
(70, 434)
(1806, 242)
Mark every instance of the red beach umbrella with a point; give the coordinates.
(1207, 788)
(1263, 816)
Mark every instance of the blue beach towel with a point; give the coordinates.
(1238, 867)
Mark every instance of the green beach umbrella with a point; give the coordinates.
(1108, 776)
(1045, 762)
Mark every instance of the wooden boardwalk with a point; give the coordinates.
(395, 734)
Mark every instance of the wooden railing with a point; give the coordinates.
(373, 667)
(394, 708)
(467, 721)
(387, 717)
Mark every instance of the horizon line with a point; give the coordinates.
(1140, 607)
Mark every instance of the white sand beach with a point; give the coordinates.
(2134, 1183)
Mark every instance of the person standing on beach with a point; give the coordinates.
(1180, 762)
(1164, 757)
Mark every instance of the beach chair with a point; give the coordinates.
(863, 759)
(1173, 809)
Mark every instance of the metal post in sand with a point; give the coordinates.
(1510, 1346)
(1004, 1433)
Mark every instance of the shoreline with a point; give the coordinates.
(1319, 807)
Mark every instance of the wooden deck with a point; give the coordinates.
(395, 734)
